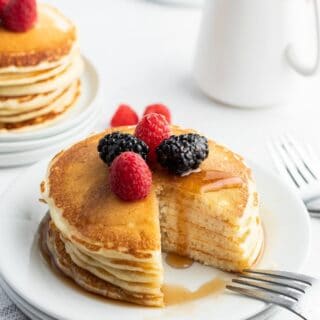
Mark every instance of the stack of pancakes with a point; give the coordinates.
(39, 72)
(113, 248)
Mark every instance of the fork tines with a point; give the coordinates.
(291, 159)
(277, 287)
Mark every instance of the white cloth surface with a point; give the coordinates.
(8, 310)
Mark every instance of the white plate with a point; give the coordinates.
(182, 3)
(22, 267)
(31, 156)
(89, 94)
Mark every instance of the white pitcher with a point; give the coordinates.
(246, 54)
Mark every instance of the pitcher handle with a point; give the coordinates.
(292, 57)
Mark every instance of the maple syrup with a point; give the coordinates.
(204, 181)
(209, 181)
(174, 294)
(178, 262)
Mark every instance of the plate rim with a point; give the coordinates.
(15, 146)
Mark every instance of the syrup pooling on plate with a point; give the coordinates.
(178, 262)
(174, 294)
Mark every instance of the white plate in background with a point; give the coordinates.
(14, 159)
(6, 148)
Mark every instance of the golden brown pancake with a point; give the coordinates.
(44, 119)
(210, 216)
(16, 105)
(36, 69)
(86, 279)
(51, 39)
(62, 79)
(58, 103)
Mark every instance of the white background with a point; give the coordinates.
(144, 53)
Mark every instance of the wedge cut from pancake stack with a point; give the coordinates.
(39, 72)
(113, 248)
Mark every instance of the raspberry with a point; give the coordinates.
(20, 15)
(3, 4)
(152, 129)
(124, 116)
(130, 177)
(159, 108)
(111, 145)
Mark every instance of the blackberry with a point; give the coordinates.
(113, 144)
(183, 153)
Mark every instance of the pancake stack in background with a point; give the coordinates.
(39, 72)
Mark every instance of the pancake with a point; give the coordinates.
(43, 120)
(86, 279)
(65, 98)
(211, 216)
(66, 77)
(47, 43)
(16, 105)
(39, 72)
(14, 79)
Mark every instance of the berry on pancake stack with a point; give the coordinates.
(40, 65)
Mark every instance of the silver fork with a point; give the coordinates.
(300, 165)
(298, 293)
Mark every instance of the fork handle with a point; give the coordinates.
(314, 208)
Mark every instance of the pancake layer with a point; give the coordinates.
(39, 72)
(46, 119)
(210, 216)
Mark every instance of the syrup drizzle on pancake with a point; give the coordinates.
(210, 181)
(200, 182)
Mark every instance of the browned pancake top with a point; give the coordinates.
(44, 42)
(78, 182)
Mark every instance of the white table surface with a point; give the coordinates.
(144, 53)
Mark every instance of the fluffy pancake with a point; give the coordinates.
(86, 279)
(16, 105)
(58, 103)
(14, 79)
(43, 120)
(218, 226)
(67, 76)
(39, 72)
(49, 41)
